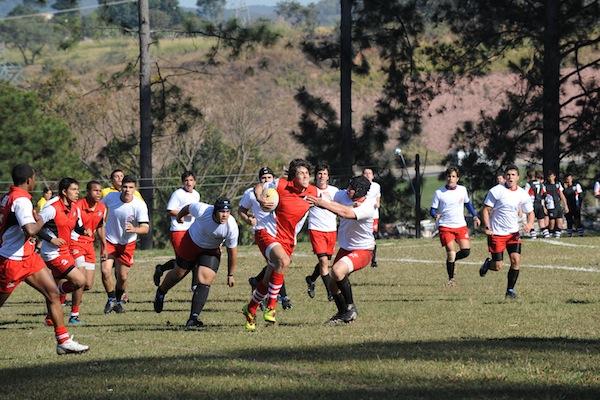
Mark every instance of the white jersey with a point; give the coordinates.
(119, 214)
(375, 193)
(14, 244)
(450, 204)
(506, 204)
(320, 219)
(597, 189)
(208, 234)
(356, 234)
(179, 199)
(249, 202)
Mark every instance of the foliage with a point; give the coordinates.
(554, 110)
(31, 136)
(125, 15)
(304, 17)
(211, 9)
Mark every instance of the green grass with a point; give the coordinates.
(414, 338)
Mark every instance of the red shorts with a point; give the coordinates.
(13, 272)
(190, 252)
(83, 252)
(376, 225)
(176, 238)
(355, 259)
(266, 242)
(448, 235)
(61, 265)
(323, 243)
(121, 252)
(498, 243)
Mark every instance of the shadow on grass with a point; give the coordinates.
(293, 372)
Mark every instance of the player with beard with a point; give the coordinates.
(355, 239)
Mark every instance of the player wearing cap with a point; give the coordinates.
(200, 251)
(500, 217)
(447, 209)
(355, 238)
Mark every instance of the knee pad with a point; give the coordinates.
(463, 253)
(497, 256)
(514, 248)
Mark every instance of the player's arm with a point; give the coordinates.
(485, 217)
(336, 208)
(473, 213)
(185, 211)
(101, 232)
(246, 216)
(563, 200)
(378, 201)
(433, 211)
(231, 265)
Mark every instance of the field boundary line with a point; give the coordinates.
(555, 243)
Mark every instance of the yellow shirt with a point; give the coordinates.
(108, 190)
(41, 202)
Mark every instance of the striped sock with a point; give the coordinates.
(275, 284)
(61, 333)
(258, 296)
(75, 311)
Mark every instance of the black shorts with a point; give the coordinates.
(555, 213)
(538, 210)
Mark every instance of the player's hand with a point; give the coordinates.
(566, 210)
(487, 231)
(103, 254)
(266, 205)
(58, 242)
(314, 201)
(230, 281)
(476, 222)
(129, 228)
(88, 232)
(36, 216)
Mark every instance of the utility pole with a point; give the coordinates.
(417, 190)
(346, 88)
(146, 185)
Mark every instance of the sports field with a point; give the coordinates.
(414, 338)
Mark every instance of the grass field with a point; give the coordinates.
(414, 338)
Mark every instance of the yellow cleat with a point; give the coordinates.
(269, 315)
(250, 324)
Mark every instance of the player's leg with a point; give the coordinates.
(206, 272)
(182, 268)
(122, 275)
(514, 251)
(280, 260)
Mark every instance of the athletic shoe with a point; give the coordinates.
(373, 264)
(193, 324)
(310, 287)
(125, 298)
(159, 301)
(110, 306)
(269, 315)
(485, 267)
(286, 303)
(71, 347)
(74, 320)
(350, 314)
(48, 321)
(335, 320)
(119, 309)
(250, 325)
(510, 294)
(157, 275)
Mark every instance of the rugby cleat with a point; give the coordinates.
(119, 308)
(74, 320)
(110, 305)
(510, 294)
(451, 283)
(485, 267)
(71, 347)
(250, 324)
(159, 301)
(350, 314)
(157, 275)
(335, 320)
(286, 303)
(193, 323)
(310, 289)
(269, 315)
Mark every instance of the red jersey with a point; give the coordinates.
(59, 221)
(16, 211)
(286, 221)
(91, 218)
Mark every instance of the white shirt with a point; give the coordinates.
(320, 219)
(597, 189)
(375, 193)
(356, 234)
(208, 234)
(450, 205)
(249, 202)
(12, 245)
(119, 214)
(179, 199)
(505, 205)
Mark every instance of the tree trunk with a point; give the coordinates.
(346, 89)
(551, 82)
(146, 186)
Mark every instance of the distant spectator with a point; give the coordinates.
(46, 195)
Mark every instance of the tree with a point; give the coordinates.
(298, 15)
(126, 15)
(211, 9)
(554, 113)
(30, 135)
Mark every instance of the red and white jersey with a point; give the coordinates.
(119, 214)
(59, 222)
(375, 193)
(356, 234)
(291, 212)
(91, 219)
(249, 202)
(206, 233)
(450, 204)
(179, 199)
(16, 211)
(320, 219)
(505, 204)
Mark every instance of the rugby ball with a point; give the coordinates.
(271, 195)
